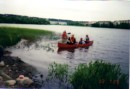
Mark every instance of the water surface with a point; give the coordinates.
(111, 45)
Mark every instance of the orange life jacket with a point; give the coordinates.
(73, 40)
(64, 35)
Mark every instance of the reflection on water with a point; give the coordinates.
(71, 52)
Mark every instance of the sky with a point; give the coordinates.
(78, 10)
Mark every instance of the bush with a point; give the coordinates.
(59, 72)
(95, 75)
(99, 75)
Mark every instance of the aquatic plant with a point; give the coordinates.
(11, 35)
(94, 75)
(58, 71)
(99, 75)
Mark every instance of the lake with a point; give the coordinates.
(111, 45)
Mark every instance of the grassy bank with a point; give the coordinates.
(11, 35)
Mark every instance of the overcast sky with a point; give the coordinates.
(68, 9)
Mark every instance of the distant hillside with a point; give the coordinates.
(9, 18)
(122, 24)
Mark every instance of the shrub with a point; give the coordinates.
(99, 75)
(59, 72)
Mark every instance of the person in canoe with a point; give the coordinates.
(86, 39)
(64, 37)
(81, 41)
(72, 39)
(68, 39)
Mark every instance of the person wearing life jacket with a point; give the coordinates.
(86, 39)
(64, 37)
(72, 39)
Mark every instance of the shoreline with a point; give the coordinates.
(11, 68)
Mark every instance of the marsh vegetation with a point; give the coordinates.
(11, 35)
(94, 75)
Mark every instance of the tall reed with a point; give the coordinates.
(11, 35)
(95, 75)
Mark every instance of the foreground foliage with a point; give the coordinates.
(59, 72)
(11, 35)
(95, 75)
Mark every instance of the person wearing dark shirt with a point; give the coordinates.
(87, 39)
(81, 41)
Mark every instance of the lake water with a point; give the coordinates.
(111, 45)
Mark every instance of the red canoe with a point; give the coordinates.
(62, 45)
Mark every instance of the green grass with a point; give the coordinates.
(95, 75)
(58, 71)
(11, 35)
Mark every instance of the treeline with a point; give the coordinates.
(8, 18)
(121, 25)
(75, 23)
